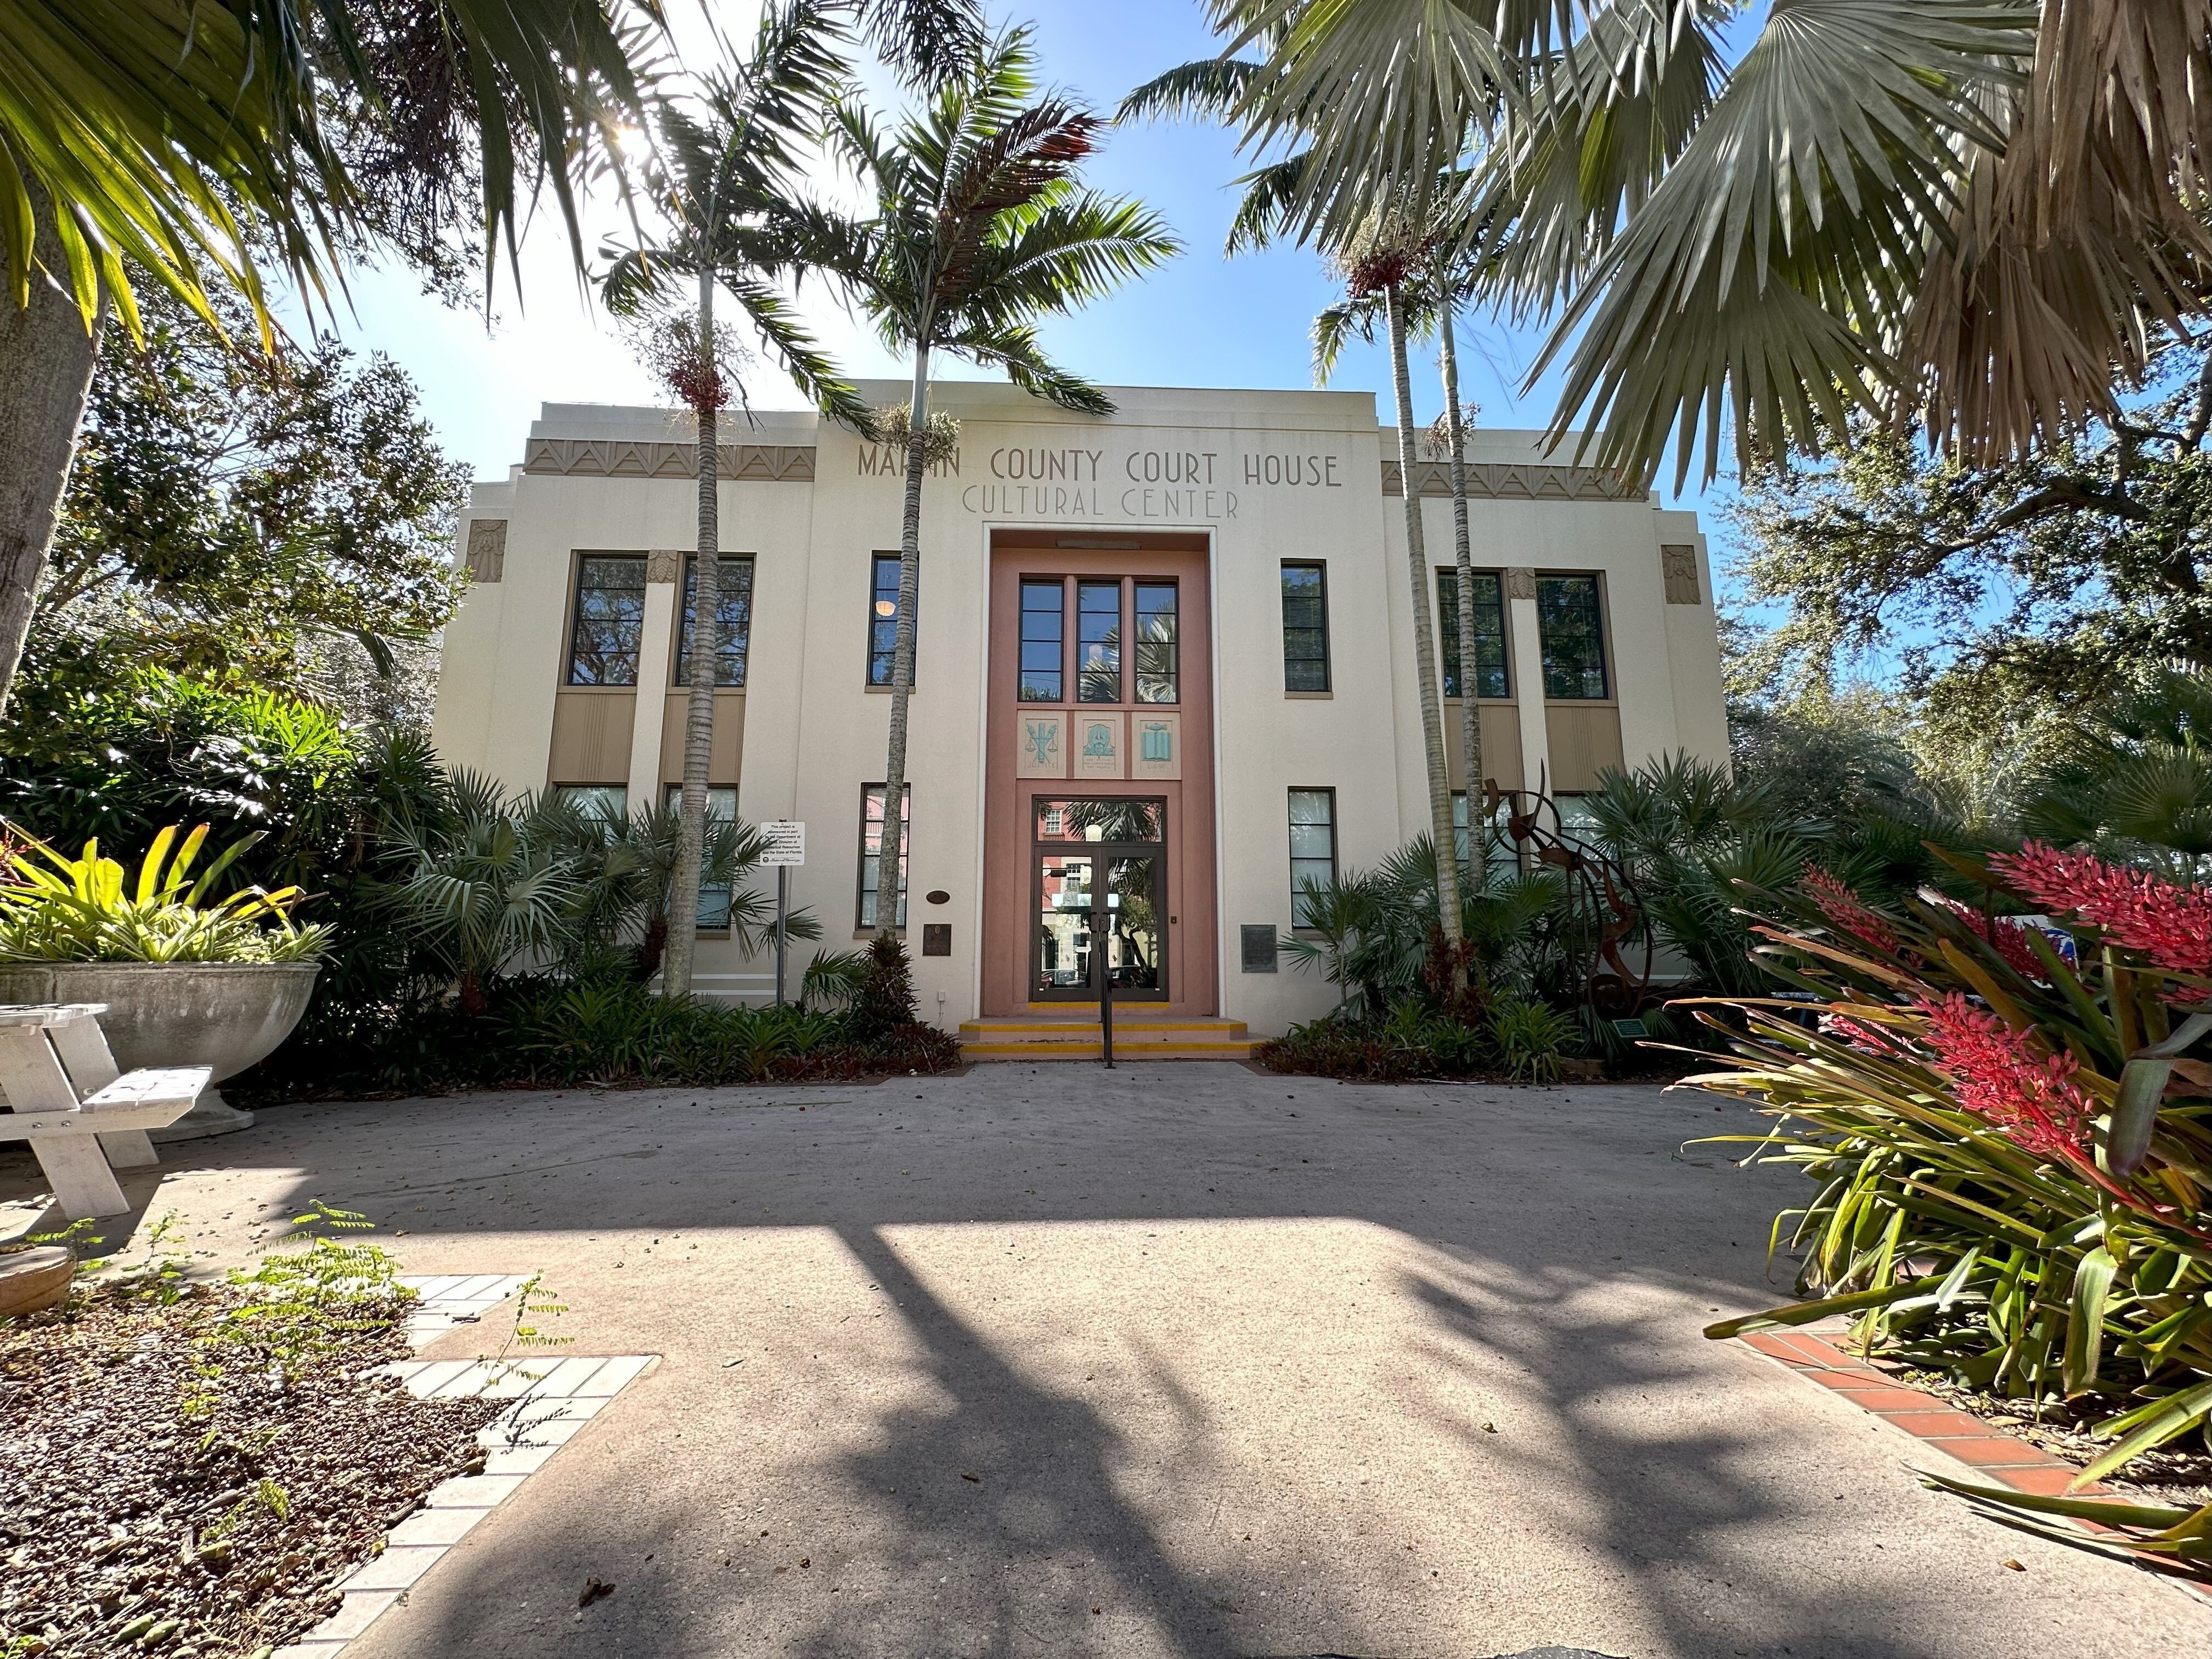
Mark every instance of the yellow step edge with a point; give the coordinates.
(1091, 1050)
(997, 1026)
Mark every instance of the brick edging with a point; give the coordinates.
(1989, 1452)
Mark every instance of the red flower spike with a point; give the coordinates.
(2001, 1079)
(1841, 906)
(2008, 934)
(2133, 908)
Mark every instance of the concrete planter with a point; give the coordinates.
(223, 1015)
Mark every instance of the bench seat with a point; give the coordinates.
(59, 1091)
(152, 1098)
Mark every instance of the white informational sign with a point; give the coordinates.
(786, 843)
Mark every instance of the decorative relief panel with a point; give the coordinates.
(1521, 583)
(1043, 737)
(1516, 481)
(1098, 746)
(1156, 745)
(610, 458)
(664, 564)
(487, 550)
(1678, 566)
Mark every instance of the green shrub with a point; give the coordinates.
(541, 1032)
(78, 911)
(1410, 1041)
(2009, 1151)
(1530, 1040)
(117, 763)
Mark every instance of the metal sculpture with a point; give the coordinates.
(1607, 925)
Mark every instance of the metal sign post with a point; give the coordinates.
(786, 850)
(1102, 954)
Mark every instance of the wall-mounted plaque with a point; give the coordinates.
(1258, 939)
(1042, 735)
(1155, 745)
(937, 895)
(937, 938)
(1678, 565)
(487, 550)
(1098, 746)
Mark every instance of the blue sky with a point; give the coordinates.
(1204, 320)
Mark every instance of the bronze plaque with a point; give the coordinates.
(937, 938)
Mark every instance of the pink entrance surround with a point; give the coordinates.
(1009, 919)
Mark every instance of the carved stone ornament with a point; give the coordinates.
(624, 458)
(1519, 583)
(664, 564)
(487, 550)
(1678, 566)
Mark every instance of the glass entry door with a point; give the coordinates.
(1101, 886)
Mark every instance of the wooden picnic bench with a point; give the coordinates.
(83, 1121)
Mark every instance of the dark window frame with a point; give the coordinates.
(1084, 674)
(1447, 635)
(685, 599)
(1290, 828)
(883, 647)
(1600, 635)
(1021, 614)
(906, 856)
(1320, 569)
(576, 620)
(1140, 645)
(671, 795)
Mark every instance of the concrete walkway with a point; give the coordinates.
(1176, 1360)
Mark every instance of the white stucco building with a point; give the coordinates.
(1164, 665)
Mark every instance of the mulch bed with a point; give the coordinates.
(146, 1507)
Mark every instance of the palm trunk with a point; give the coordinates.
(1425, 647)
(46, 357)
(887, 867)
(699, 712)
(1470, 707)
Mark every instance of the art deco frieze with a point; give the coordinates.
(1516, 481)
(624, 458)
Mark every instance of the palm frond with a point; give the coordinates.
(1768, 275)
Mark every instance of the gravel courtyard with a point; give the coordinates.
(1176, 1360)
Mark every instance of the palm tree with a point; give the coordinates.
(725, 179)
(1430, 295)
(192, 144)
(1379, 256)
(979, 227)
(1979, 218)
(141, 138)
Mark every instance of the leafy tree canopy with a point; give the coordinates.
(2008, 593)
(235, 514)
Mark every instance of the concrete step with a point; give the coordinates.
(984, 1052)
(1057, 1036)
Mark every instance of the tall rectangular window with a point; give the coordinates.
(1499, 850)
(1044, 639)
(1489, 633)
(1098, 642)
(713, 896)
(1305, 628)
(1313, 848)
(733, 580)
(883, 621)
(610, 619)
(1572, 627)
(603, 803)
(872, 847)
(1159, 646)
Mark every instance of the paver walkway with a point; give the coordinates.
(1177, 1360)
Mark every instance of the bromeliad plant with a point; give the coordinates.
(54, 908)
(2012, 1142)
